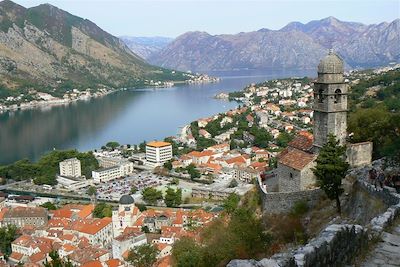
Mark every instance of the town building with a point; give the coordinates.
(126, 241)
(70, 168)
(125, 215)
(25, 216)
(106, 174)
(157, 153)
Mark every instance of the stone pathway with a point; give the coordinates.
(387, 251)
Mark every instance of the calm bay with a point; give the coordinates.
(128, 117)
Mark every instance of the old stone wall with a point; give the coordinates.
(283, 202)
(337, 244)
(289, 178)
(359, 154)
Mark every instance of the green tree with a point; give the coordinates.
(283, 139)
(193, 172)
(168, 165)
(142, 146)
(112, 145)
(141, 207)
(102, 210)
(173, 198)
(7, 236)
(92, 191)
(187, 253)
(231, 203)
(56, 261)
(49, 205)
(143, 255)
(331, 168)
(151, 195)
(133, 190)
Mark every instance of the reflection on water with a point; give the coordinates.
(128, 117)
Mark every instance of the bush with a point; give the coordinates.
(300, 208)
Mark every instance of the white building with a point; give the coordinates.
(125, 242)
(72, 183)
(106, 174)
(70, 168)
(157, 153)
(123, 168)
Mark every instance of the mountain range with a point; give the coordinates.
(146, 46)
(46, 47)
(295, 46)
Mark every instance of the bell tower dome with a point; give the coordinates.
(330, 101)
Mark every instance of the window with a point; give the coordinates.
(338, 96)
(320, 95)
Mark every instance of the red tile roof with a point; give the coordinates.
(86, 211)
(303, 141)
(295, 158)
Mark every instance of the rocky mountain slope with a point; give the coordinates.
(294, 46)
(146, 46)
(45, 47)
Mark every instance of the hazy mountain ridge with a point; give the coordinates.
(146, 46)
(46, 46)
(295, 46)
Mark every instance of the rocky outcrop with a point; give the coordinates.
(296, 46)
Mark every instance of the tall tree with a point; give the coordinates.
(151, 195)
(331, 168)
(143, 255)
(7, 235)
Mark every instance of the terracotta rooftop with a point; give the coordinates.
(303, 141)
(158, 144)
(86, 211)
(295, 158)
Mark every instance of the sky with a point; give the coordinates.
(171, 18)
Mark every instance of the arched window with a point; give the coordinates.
(320, 95)
(338, 96)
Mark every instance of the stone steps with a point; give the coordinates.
(387, 251)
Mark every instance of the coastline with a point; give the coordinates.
(87, 95)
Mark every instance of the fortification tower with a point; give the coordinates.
(330, 101)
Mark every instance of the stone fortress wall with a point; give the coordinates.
(283, 202)
(337, 244)
(359, 154)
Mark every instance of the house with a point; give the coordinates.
(245, 174)
(220, 148)
(294, 170)
(97, 231)
(199, 158)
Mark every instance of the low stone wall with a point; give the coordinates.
(337, 244)
(282, 202)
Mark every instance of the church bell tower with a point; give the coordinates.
(330, 101)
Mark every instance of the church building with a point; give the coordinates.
(125, 215)
(330, 116)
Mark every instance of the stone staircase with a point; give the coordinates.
(387, 251)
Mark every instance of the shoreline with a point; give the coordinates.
(54, 101)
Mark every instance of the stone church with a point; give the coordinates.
(330, 116)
